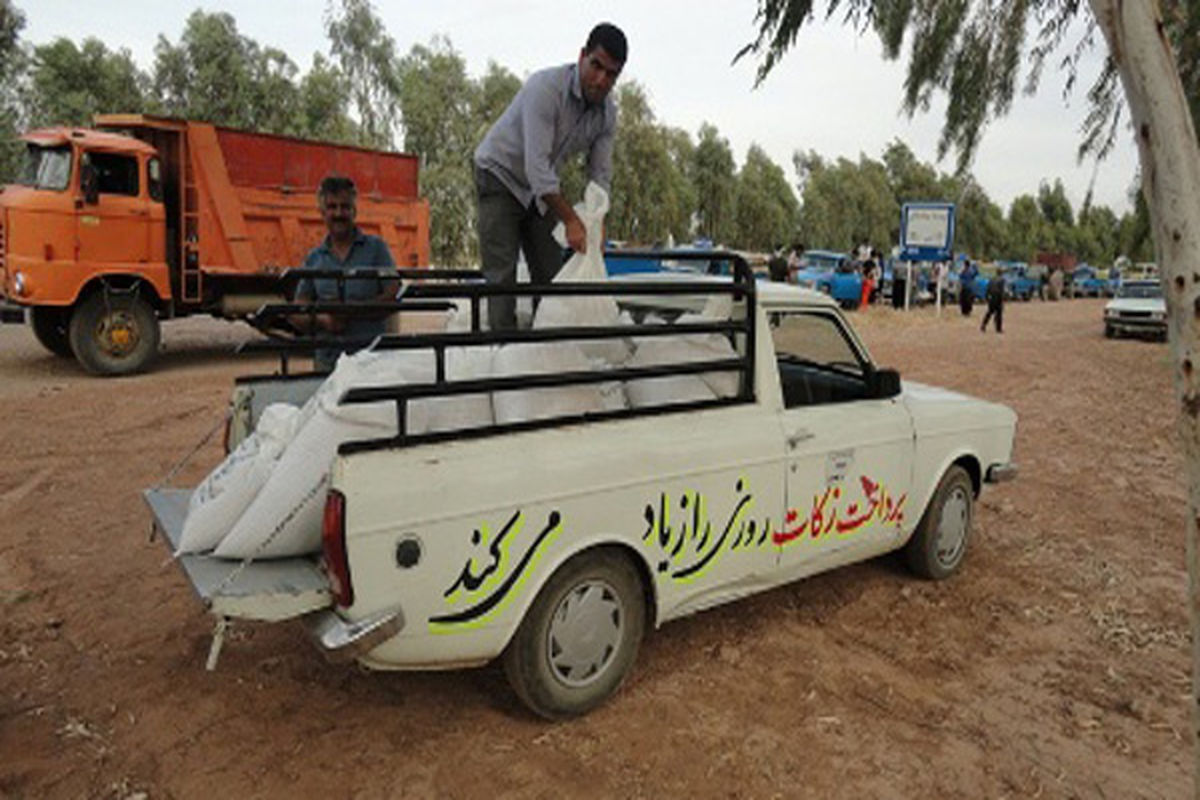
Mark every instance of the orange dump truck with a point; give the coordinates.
(111, 230)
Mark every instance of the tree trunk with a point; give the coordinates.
(1170, 161)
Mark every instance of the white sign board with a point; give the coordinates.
(927, 227)
(927, 231)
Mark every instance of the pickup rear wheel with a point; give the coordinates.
(580, 637)
(51, 328)
(939, 544)
(114, 334)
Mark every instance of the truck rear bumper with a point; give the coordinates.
(342, 641)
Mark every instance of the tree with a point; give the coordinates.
(12, 21)
(69, 84)
(494, 92)
(652, 194)
(367, 57)
(439, 127)
(972, 52)
(1096, 240)
(766, 208)
(1028, 232)
(323, 104)
(714, 174)
(980, 228)
(216, 74)
(845, 203)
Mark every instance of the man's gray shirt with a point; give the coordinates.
(548, 121)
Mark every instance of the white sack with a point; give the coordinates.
(530, 404)
(459, 411)
(284, 519)
(217, 503)
(576, 311)
(649, 392)
(713, 347)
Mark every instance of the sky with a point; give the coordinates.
(833, 93)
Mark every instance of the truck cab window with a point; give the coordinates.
(115, 173)
(46, 167)
(818, 364)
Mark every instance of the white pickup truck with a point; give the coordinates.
(554, 544)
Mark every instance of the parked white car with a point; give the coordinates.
(1138, 309)
(553, 544)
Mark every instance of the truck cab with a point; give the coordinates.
(85, 222)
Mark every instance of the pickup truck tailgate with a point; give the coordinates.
(261, 590)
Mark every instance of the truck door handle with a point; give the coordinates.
(798, 437)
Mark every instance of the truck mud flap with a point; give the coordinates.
(269, 591)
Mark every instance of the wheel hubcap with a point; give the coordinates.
(585, 632)
(952, 527)
(118, 333)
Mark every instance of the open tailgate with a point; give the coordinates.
(271, 590)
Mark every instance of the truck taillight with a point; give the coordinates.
(333, 542)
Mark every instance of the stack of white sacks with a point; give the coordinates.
(266, 499)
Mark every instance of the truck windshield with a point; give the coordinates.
(1140, 291)
(46, 167)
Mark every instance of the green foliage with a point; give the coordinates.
(845, 203)
(766, 208)
(367, 57)
(1027, 231)
(216, 74)
(68, 85)
(652, 194)
(495, 91)
(436, 99)
(324, 103)
(714, 175)
(971, 50)
(1053, 202)
(12, 21)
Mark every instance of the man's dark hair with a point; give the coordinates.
(337, 184)
(609, 37)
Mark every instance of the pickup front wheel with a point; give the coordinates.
(580, 637)
(114, 333)
(939, 544)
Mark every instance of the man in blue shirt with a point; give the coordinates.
(559, 112)
(346, 248)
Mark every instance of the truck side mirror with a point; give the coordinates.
(883, 383)
(89, 184)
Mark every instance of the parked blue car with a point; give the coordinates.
(1086, 282)
(1018, 284)
(832, 273)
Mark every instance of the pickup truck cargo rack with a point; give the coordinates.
(437, 290)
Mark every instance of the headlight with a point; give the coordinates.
(1158, 316)
(19, 283)
(1109, 313)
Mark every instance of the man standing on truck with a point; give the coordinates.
(345, 248)
(559, 112)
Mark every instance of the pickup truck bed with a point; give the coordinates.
(264, 590)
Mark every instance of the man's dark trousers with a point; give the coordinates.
(505, 226)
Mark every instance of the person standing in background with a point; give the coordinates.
(995, 302)
(966, 288)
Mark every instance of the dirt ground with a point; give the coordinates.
(1055, 665)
